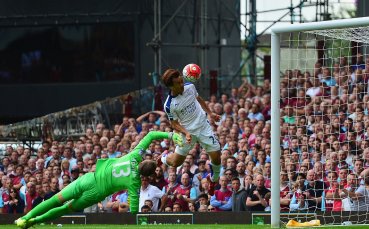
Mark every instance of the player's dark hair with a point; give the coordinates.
(169, 75)
(147, 168)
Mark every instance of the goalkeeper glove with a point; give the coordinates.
(177, 139)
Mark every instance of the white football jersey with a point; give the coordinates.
(186, 109)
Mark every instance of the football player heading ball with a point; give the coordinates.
(188, 114)
(191, 73)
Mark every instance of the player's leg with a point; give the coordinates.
(90, 196)
(174, 159)
(55, 201)
(215, 164)
(177, 158)
(72, 191)
(72, 206)
(212, 146)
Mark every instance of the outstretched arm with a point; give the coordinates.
(178, 127)
(156, 135)
(133, 200)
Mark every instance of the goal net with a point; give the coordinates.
(323, 122)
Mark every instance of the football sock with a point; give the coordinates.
(164, 160)
(54, 213)
(43, 207)
(216, 171)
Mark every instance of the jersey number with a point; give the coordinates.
(214, 139)
(121, 169)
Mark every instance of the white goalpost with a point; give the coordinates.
(319, 84)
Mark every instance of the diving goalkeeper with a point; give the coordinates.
(111, 175)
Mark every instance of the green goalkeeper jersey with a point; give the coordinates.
(117, 174)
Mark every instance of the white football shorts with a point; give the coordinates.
(206, 138)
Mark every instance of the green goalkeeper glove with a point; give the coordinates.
(177, 139)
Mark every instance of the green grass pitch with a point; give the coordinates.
(109, 226)
(193, 226)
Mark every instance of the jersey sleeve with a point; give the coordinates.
(133, 200)
(146, 141)
(168, 108)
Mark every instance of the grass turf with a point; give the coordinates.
(110, 226)
(193, 226)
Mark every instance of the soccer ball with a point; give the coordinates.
(191, 73)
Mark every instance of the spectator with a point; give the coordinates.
(177, 207)
(149, 192)
(170, 188)
(123, 202)
(185, 169)
(210, 208)
(255, 201)
(255, 113)
(201, 173)
(191, 207)
(168, 209)
(299, 197)
(40, 192)
(5, 195)
(159, 178)
(57, 174)
(111, 150)
(349, 203)
(239, 196)
(284, 195)
(332, 201)
(65, 168)
(31, 196)
(17, 179)
(54, 188)
(203, 208)
(203, 199)
(231, 163)
(152, 117)
(32, 165)
(221, 199)
(68, 156)
(149, 203)
(15, 203)
(185, 193)
(75, 173)
(249, 184)
(114, 201)
(145, 209)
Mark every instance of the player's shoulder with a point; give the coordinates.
(189, 85)
(169, 100)
(168, 103)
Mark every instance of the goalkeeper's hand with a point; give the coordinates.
(177, 139)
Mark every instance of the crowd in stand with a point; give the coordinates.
(324, 152)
